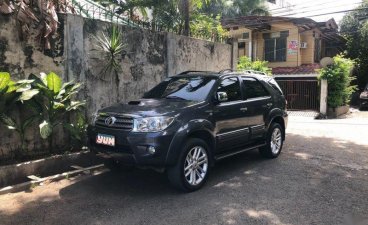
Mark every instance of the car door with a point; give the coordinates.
(258, 102)
(231, 125)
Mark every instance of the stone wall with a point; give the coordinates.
(149, 57)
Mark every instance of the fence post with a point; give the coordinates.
(323, 99)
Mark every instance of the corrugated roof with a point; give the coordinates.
(303, 69)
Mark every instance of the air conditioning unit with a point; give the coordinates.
(303, 45)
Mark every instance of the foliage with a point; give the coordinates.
(197, 18)
(78, 130)
(112, 45)
(208, 28)
(338, 76)
(12, 93)
(41, 14)
(55, 102)
(354, 27)
(246, 63)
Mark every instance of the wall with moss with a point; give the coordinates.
(148, 58)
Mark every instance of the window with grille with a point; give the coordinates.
(276, 47)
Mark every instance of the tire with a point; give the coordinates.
(115, 166)
(274, 142)
(197, 169)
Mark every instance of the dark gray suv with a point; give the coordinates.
(189, 121)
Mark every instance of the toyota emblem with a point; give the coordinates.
(109, 121)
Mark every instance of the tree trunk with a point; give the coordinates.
(186, 17)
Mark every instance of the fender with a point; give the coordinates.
(183, 133)
(272, 115)
(276, 113)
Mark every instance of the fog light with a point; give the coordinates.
(151, 150)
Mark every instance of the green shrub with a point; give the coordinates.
(338, 76)
(246, 63)
(43, 99)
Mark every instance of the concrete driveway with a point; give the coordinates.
(320, 178)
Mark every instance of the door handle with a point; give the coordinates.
(243, 109)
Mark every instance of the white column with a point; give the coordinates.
(323, 100)
(250, 47)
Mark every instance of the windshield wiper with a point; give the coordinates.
(175, 97)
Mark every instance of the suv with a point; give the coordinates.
(364, 98)
(189, 121)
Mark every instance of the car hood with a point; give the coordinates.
(151, 107)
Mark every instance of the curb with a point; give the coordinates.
(37, 181)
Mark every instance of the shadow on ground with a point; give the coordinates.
(305, 185)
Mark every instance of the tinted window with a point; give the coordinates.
(253, 88)
(185, 88)
(232, 88)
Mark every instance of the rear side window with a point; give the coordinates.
(232, 88)
(253, 88)
(275, 86)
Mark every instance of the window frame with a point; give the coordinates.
(275, 49)
(243, 89)
(240, 89)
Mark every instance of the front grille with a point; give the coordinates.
(122, 122)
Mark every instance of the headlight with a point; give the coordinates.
(152, 124)
(364, 95)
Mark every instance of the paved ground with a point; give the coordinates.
(321, 178)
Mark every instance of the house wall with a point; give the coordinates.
(302, 56)
(150, 57)
(307, 54)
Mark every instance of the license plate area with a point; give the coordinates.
(105, 139)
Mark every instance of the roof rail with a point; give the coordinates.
(195, 71)
(254, 72)
(226, 71)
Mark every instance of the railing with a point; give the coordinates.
(93, 10)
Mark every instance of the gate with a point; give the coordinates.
(301, 94)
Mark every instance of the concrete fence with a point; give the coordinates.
(150, 57)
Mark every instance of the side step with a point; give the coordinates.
(225, 155)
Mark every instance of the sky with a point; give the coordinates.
(309, 8)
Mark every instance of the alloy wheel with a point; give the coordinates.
(276, 141)
(196, 165)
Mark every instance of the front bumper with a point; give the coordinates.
(131, 147)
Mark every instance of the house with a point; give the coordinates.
(293, 47)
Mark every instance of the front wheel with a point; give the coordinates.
(192, 168)
(274, 142)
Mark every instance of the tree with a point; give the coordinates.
(354, 27)
(235, 8)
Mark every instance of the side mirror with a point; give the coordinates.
(222, 96)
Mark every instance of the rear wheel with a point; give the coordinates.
(274, 142)
(192, 168)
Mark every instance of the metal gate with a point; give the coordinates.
(301, 94)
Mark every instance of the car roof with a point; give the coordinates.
(227, 73)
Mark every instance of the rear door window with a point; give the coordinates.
(253, 88)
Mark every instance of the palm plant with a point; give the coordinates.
(12, 93)
(55, 102)
(112, 46)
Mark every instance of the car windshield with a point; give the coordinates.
(194, 88)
